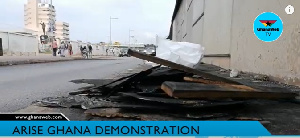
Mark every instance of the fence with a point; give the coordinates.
(19, 44)
(97, 49)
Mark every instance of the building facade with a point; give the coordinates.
(62, 31)
(225, 29)
(38, 12)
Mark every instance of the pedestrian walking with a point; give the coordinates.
(90, 50)
(54, 47)
(70, 49)
(113, 51)
(62, 49)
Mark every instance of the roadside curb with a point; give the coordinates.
(10, 63)
(37, 61)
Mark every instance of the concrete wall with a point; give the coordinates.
(280, 58)
(19, 43)
(217, 26)
(227, 29)
(197, 25)
(75, 47)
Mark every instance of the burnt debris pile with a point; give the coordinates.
(172, 92)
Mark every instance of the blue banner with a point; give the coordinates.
(132, 128)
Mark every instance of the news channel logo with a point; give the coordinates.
(268, 27)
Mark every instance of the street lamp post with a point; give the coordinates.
(129, 37)
(110, 28)
(52, 22)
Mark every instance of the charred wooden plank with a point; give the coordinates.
(209, 91)
(178, 66)
(222, 84)
(111, 113)
(180, 104)
(132, 79)
(199, 80)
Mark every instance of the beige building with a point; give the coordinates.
(37, 12)
(62, 31)
(225, 29)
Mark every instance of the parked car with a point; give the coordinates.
(150, 51)
(124, 53)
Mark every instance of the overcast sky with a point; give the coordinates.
(89, 19)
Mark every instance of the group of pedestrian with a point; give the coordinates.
(110, 50)
(64, 46)
(87, 50)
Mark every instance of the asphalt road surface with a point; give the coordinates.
(20, 85)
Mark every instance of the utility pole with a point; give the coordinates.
(52, 22)
(129, 37)
(110, 28)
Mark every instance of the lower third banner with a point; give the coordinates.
(132, 128)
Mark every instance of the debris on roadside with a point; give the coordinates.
(261, 77)
(234, 73)
(175, 90)
(222, 70)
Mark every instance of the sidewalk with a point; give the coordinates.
(42, 58)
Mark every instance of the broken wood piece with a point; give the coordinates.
(199, 80)
(192, 79)
(123, 78)
(247, 119)
(111, 113)
(178, 66)
(106, 104)
(178, 104)
(126, 84)
(206, 117)
(210, 91)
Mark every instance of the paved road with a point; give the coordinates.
(20, 85)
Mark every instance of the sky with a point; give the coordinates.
(90, 19)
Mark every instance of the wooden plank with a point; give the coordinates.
(210, 91)
(199, 80)
(178, 66)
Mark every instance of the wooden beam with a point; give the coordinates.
(210, 91)
(178, 66)
(204, 81)
(220, 83)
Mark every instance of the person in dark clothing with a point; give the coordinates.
(70, 49)
(106, 51)
(90, 50)
(84, 52)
